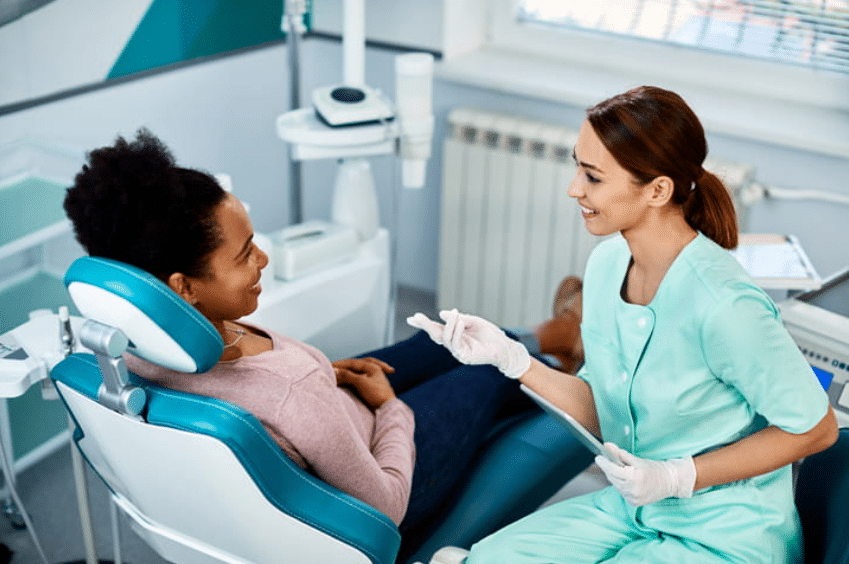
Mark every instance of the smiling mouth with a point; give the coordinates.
(587, 212)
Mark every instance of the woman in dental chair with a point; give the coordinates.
(395, 428)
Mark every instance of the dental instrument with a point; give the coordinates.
(352, 102)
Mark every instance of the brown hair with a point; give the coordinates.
(652, 132)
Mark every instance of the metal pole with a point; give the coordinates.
(293, 30)
(82, 499)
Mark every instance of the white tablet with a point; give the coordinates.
(579, 431)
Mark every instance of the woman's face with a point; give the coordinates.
(609, 196)
(231, 288)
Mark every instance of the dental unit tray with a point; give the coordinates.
(579, 431)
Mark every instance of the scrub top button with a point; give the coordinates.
(624, 377)
(641, 322)
(626, 430)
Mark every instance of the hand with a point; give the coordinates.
(642, 481)
(473, 340)
(367, 376)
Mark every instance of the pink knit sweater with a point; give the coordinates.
(323, 428)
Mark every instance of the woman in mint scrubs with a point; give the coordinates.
(690, 376)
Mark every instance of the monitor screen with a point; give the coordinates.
(833, 297)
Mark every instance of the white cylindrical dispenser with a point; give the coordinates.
(414, 105)
(355, 198)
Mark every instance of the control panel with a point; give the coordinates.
(832, 370)
(818, 321)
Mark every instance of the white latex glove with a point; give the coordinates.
(642, 481)
(473, 340)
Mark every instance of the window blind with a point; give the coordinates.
(812, 33)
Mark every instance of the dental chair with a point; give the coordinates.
(201, 481)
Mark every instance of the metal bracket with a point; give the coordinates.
(108, 344)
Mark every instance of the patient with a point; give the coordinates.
(395, 428)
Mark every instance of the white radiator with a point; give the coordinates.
(510, 232)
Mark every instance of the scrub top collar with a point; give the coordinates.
(670, 275)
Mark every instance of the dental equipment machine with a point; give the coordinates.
(350, 122)
(818, 321)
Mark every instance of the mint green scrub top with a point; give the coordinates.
(705, 364)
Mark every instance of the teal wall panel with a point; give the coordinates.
(34, 421)
(37, 203)
(174, 31)
(40, 291)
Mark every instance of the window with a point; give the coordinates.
(812, 33)
(736, 77)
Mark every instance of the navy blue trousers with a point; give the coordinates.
(455, 407)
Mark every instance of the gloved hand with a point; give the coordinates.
(473, 340)
(642, 481)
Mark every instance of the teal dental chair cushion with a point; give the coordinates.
(161, 326)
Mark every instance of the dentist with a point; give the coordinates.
(689, 374)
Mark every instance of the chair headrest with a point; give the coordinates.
(161, 326)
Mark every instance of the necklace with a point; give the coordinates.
(239, 334)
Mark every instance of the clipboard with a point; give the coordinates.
(776, 262)
(579, 431)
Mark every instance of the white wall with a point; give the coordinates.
(43, 53)
(59, 46)
(406, 23)
(217, 116)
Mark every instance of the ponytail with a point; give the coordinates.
(652, 132)
(709, 209)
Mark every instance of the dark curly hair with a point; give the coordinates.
(131, 203)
